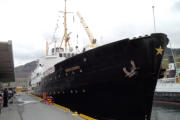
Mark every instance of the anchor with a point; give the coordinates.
(133, 70)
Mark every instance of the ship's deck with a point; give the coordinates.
(28, 107)
(167, 87)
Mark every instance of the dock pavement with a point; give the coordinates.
(28, 107)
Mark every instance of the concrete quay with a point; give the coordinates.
(27, 107)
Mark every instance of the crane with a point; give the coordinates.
(89, 33)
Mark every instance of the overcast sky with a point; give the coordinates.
(29, 23)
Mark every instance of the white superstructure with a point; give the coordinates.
(46, 65)
(58, 54)
(167, 85)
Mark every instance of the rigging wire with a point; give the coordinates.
(175, 65)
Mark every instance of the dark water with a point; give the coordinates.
(164, 111)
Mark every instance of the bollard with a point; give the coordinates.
(49, 100)
(44, 95)
(177, 80)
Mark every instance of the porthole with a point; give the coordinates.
(83, 90)
(84, 59)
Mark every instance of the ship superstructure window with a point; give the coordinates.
(61, 50)
(68, 55)
(53, 50)
(37, 74)
(64, 54)
(57, 49)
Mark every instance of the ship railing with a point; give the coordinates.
(167, 80)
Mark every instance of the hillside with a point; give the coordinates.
(168, 52)
(23, 72)
(176, 51)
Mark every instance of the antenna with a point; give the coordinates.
(47, 48)
(154, 20)
(54, 40)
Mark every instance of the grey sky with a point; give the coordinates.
(29, 23)
(176, 6)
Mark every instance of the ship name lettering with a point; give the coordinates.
(72, 68)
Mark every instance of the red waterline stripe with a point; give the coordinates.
(165, 102)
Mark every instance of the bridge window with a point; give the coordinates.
(57, 49)
(60, 55)
(64, 54)
(68, 55)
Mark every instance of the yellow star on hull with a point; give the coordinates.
(159, 51)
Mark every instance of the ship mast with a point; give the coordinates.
(53, 40)
(65, 36)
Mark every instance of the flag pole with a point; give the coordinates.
(154, 18)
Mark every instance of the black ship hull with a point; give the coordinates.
(115, 81)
